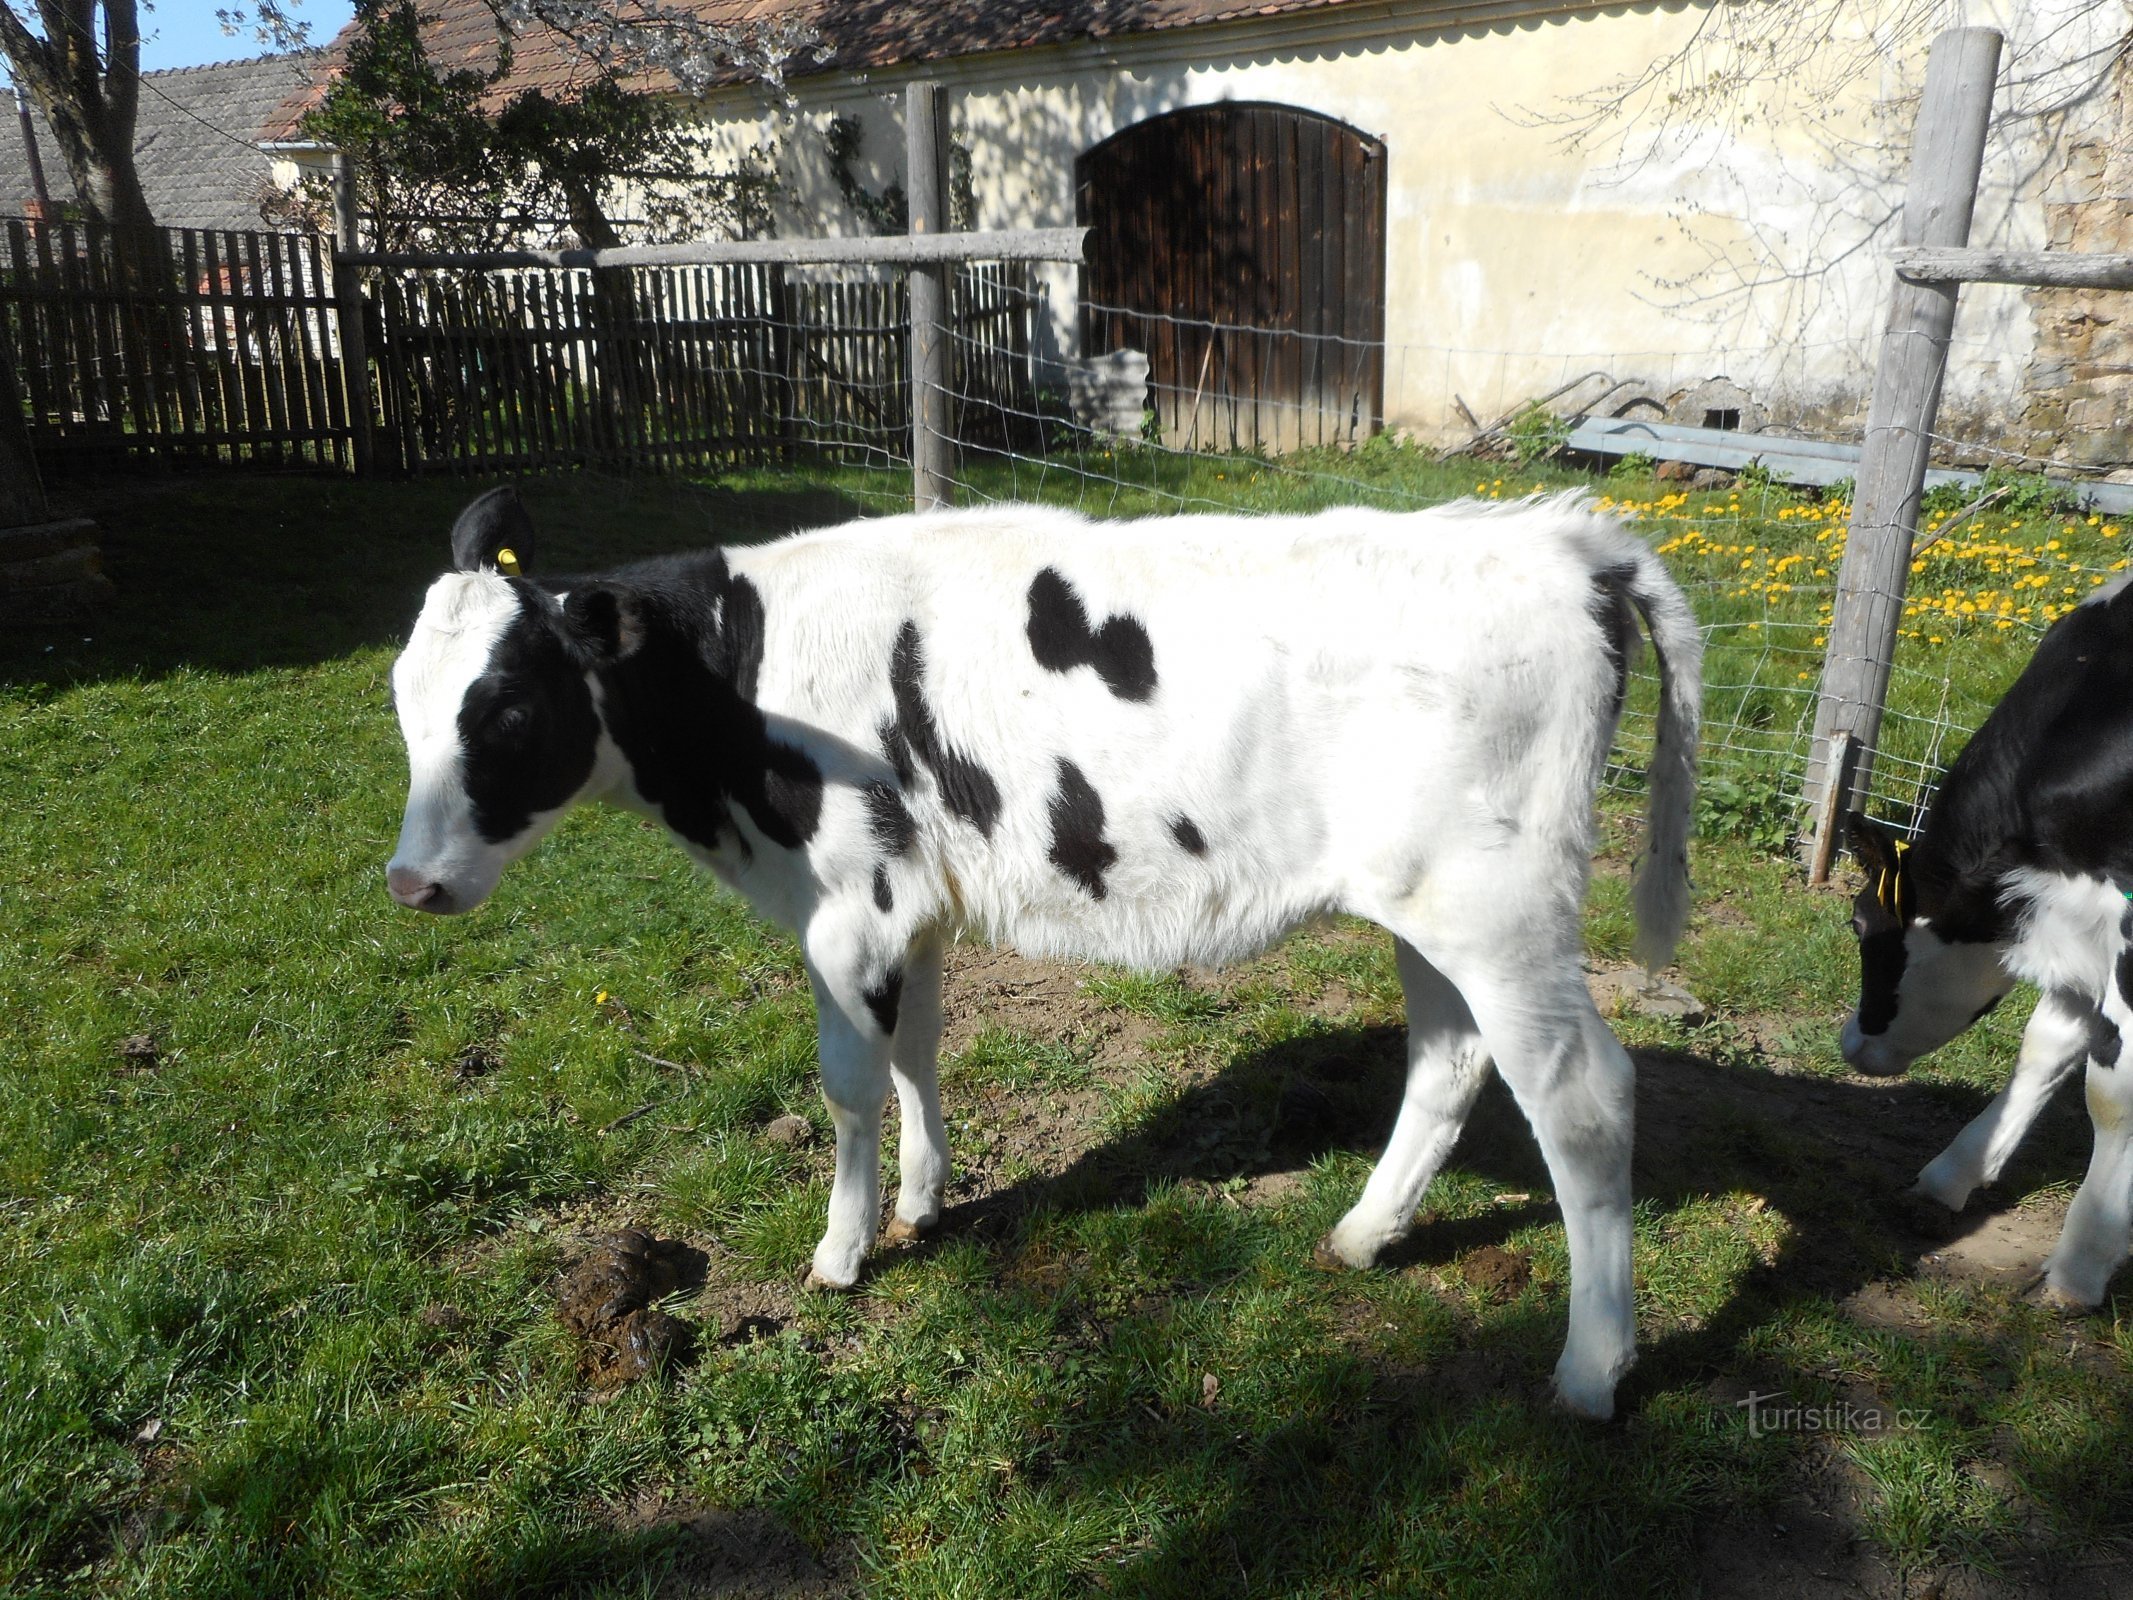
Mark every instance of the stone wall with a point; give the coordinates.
(2078, 390)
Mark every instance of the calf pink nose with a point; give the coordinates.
(412, 889)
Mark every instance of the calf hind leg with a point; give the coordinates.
(1576, 1085)
(1446, 1065)
(2099, 1223)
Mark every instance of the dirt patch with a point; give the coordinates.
(986, 988)
(1498, 1274)
(718, 1554)
(608, 1296)
(2003, 1247)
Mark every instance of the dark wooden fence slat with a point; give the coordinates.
(225, 351)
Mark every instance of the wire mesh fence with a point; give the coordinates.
(1992, 568)
(804, 372)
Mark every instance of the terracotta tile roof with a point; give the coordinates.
(193, 142)
(856, 34)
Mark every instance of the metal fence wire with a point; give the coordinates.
(234, 356)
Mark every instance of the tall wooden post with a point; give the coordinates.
(926, 188)
(1947, 151)
(348, 312)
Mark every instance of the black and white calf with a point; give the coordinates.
(2022, 871)
(1144, 743)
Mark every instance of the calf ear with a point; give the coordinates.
(495, 532)
(603, 624)
(1873, 844)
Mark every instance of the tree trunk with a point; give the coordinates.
(90, 96)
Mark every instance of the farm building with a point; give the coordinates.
(1417, 213)
(192, 142)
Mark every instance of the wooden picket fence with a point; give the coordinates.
(185, 345)
(680, 366)
(180, 343)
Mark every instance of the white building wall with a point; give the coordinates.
(1746, 247)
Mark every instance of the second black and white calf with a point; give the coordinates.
(1145, 743)
(2022, 871)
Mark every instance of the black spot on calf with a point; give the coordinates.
(681, 705)
(527, 724)
(884, 896)
(1610, 608)
(1061, 639)
(1078, 847)
(2104, 1042)
(884, 997)
(887, 819)
(966, 787)
(1882, 958)
(1187, 836)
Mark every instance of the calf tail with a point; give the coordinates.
(1660, 893)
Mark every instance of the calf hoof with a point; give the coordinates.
(815, 1278)
(1327, 1257)
(1945, 1190)
(899, 1231)
(2067, 1299)
(1586, 1403)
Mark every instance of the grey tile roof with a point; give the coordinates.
(195, 142)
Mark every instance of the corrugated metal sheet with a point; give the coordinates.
(1816, 462)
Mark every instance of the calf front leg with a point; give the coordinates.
(2052, 1046)
(858, 995)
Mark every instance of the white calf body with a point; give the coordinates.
(1146, 743)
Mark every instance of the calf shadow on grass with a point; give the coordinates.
(1832, 1157)
(239, 573)
(1451, 1477)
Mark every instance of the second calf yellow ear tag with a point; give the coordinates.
(507, 561)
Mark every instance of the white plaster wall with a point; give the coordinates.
(1747, 248)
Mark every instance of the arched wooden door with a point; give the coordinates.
(1243, 248)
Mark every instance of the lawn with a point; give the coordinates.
(288, 1179)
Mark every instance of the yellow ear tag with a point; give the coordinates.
(1889, 890)
(507, 561)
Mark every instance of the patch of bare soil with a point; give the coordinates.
(733, 1555)
(1499, 1274)
(608, 1298)
(987, 988)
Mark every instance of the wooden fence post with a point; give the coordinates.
(925, 186)
(1947, 151)
(348, 312)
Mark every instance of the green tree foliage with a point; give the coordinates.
(455, 159)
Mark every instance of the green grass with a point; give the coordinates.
(278, 1317)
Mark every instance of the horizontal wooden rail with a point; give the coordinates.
(1010, 244)
(2034, 269)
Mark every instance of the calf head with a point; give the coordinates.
(1917, 989)
(495, 701)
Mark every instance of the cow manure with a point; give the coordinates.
(475, 1061)
(138, 1052)
(790, 1132)
(609, 1299)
